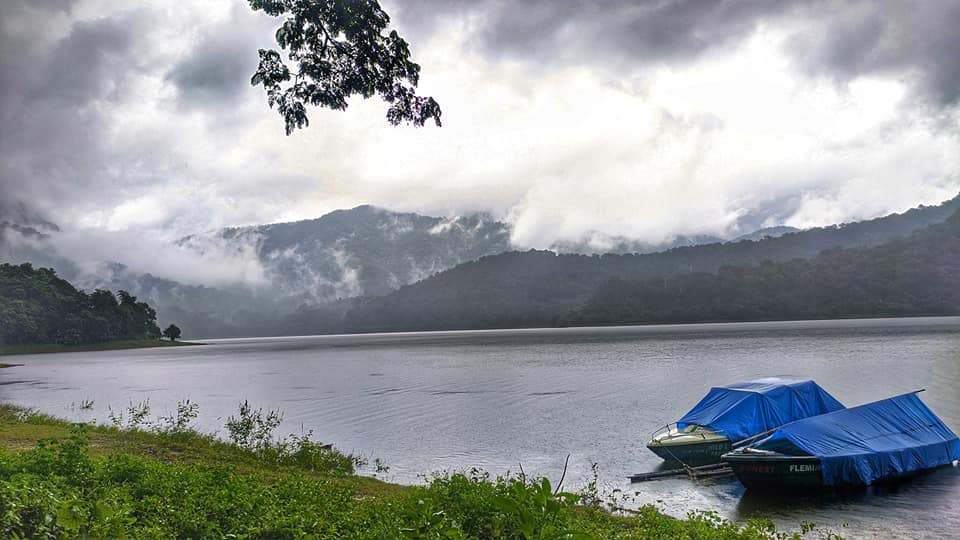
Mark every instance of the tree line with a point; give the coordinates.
(917, 275)
(38, 307)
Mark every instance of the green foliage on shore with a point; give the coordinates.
(107, 482)
(37, 307)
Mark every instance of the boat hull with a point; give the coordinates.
(700, 453)
(799, 473)
(776, 472)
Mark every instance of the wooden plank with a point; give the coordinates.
(644, 477)
(717, 472)
(715, 469)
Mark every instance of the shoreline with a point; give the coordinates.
(872, 321)
(50, 348)
(316, 483)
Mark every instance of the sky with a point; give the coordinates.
(127, 122)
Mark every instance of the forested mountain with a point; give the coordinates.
(365, 250)
(541, 288)
(362, 251)
(319, 274)
(38, 307)
(916, 275)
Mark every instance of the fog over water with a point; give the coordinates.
(425, 402)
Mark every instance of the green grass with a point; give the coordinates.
(58, 480)
(108, 346)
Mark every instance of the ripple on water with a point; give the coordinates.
(495, 400)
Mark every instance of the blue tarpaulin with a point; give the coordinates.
(745, 409)
(860, 445)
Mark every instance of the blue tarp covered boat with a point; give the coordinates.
(729, 414)
(859, 446)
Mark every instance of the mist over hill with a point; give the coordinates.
(287, 267)
(366, 250)
(542, 288)
(906, 276)
(347, 253)
(316, 275)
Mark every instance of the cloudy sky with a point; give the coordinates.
(567, 117)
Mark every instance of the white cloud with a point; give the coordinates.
(566, 152)
(207, 260)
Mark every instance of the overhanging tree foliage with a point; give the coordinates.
(337, 49)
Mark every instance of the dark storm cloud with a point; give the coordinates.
(88, 104)
(85, 65)
(50, 133)
(217, 71)
(14, 8)
(919, 40)
(914, 40)
(605, 30)
(143, 113)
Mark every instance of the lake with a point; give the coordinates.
(424, 402)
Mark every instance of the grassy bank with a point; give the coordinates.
(108, 346)
(58, 480)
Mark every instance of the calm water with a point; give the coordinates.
(426, 402)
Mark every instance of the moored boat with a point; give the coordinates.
(735, 414)
(878, 442)
(690, 445)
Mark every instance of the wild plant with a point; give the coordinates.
(538, 511)
(187, 412)
(252, 429)
(84, 405)
(136, 415)
(303, 452)
(590, 493)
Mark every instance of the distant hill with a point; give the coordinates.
(541, 288)
(321, 272)
(907, 276)
(364, 251)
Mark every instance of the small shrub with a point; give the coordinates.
(300, 451)
(590, 493)
(187, 412)
(506, 507)
(136, 415)
(252, 429)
